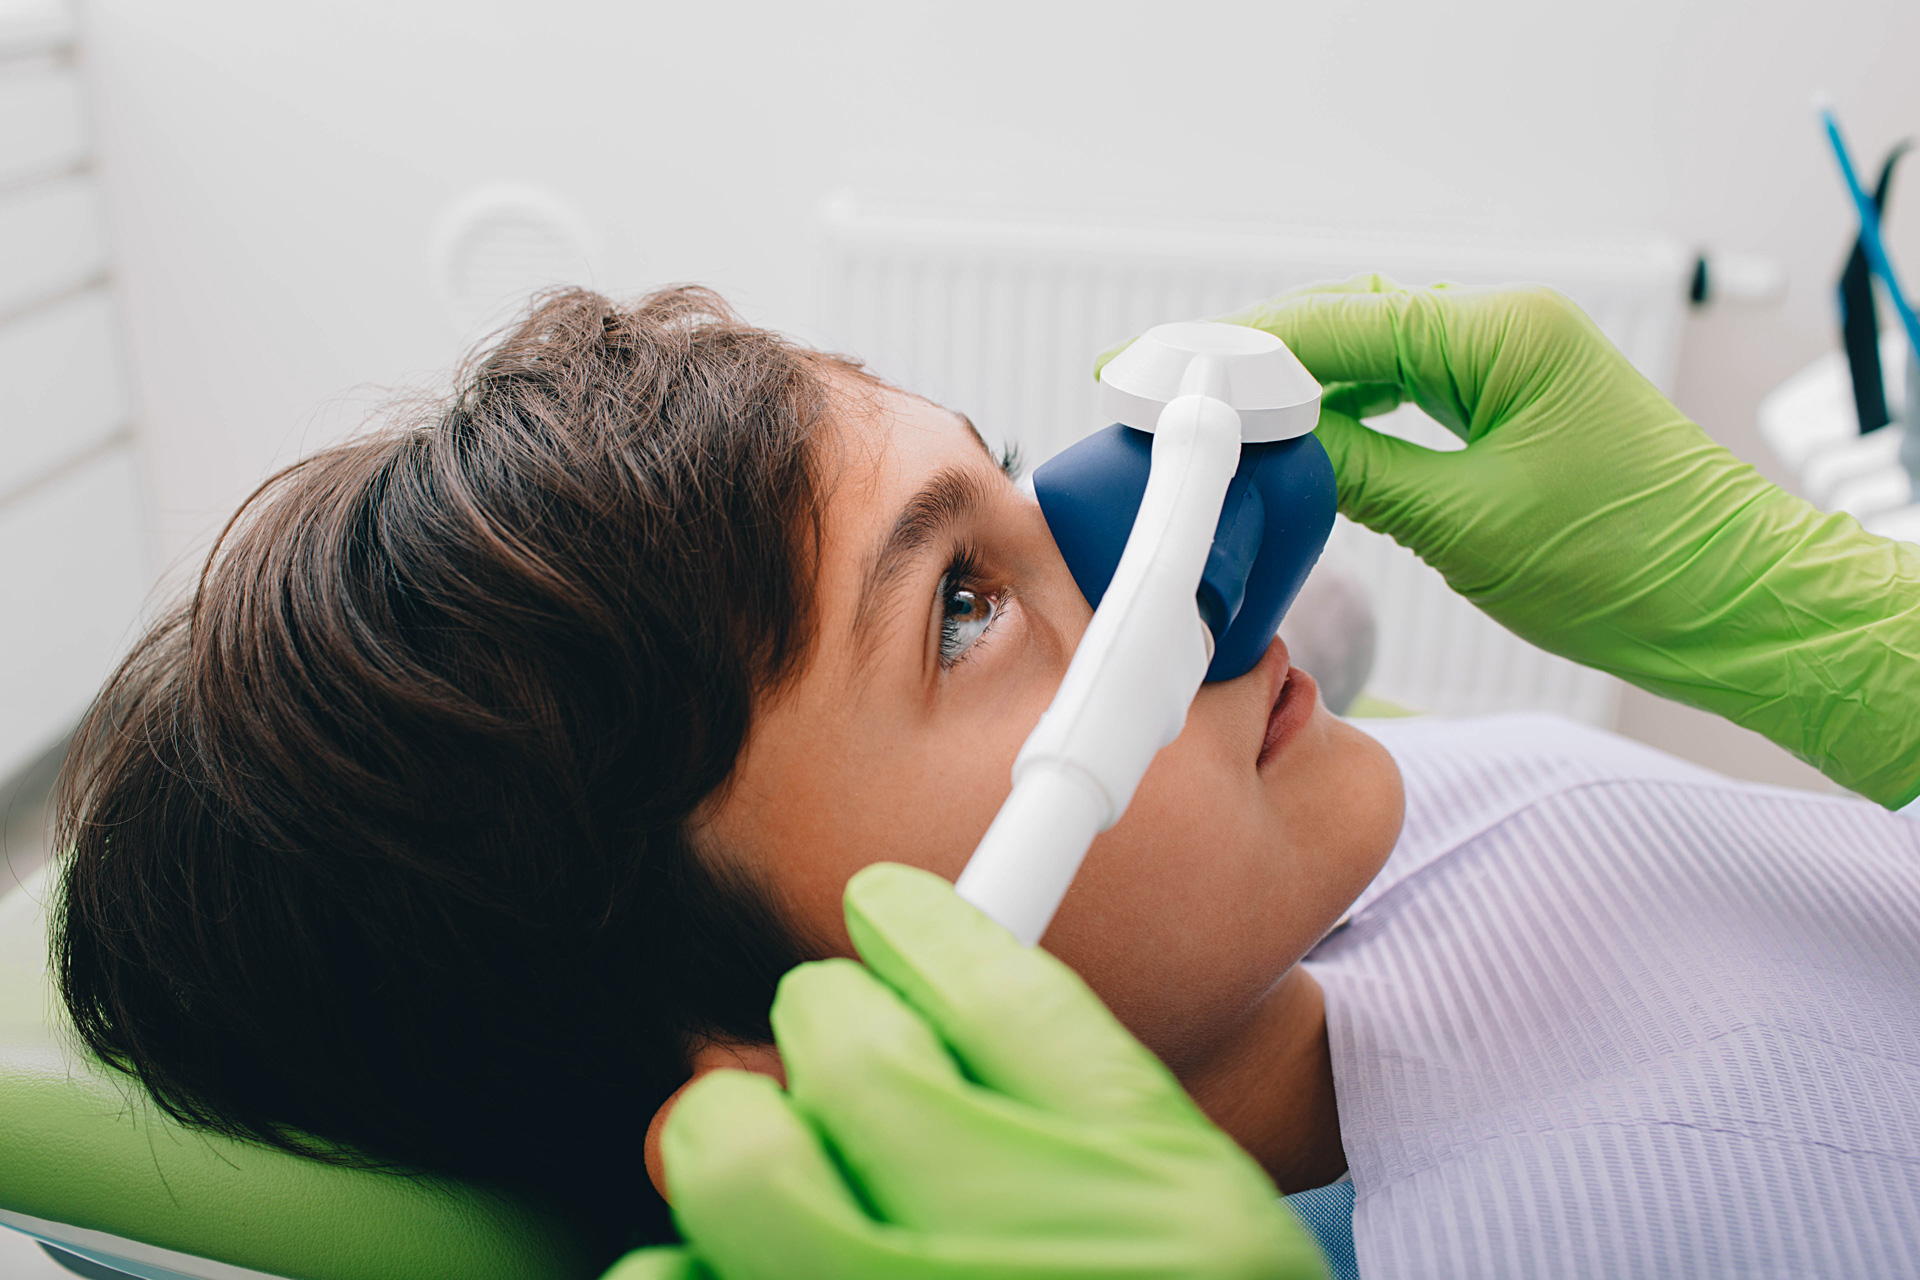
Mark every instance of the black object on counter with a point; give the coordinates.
(1859, 326)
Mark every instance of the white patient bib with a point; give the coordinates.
(1607, 1014)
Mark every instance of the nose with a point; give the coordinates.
(1273, 525)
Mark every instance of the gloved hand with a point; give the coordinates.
(962, 1106)
(664, 1263)
(1589, 516)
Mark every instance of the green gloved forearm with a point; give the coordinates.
(962, 1106)
(1589, 516)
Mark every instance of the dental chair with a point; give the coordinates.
(112, 1188)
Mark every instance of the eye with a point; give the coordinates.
(965, 615)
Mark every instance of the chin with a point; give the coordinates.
(1376, 806)
(1344, 816)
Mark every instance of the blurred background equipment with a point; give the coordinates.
(1861, 457)
(1859, 323)
(1879, 259)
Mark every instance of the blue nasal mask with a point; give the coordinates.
(1275, 521)
(1190, 525)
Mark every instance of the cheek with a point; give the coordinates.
(899, 794)
(1219, 879)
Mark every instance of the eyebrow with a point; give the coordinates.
(944, 501)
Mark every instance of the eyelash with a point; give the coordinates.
(963, 574)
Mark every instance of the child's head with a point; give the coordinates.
(503, 759)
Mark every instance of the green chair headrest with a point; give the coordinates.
(83, 1146)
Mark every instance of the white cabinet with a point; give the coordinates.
(73, 561)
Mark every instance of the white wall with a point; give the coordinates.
(276, 171)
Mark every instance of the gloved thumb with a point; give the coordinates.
(1385, 483)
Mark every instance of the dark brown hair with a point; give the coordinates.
(380, 845)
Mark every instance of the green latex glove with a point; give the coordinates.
(1589, 516)
(961, 1107)
(658, 1264)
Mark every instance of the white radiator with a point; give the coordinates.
(1002, 320)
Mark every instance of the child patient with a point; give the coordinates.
(503, 759)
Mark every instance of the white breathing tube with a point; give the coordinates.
(1145, 653)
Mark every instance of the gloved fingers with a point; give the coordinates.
(1362, 399)
(757, 1194)
(1387, 484)
(1018, 1020)
(1341, 335)
(913, 1135)
(754, 1190)
(876, 1080)
(1423, 341)
(1248, 316)
(658, 1264)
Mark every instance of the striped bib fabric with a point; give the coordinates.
(1604, 1013)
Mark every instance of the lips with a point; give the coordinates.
(1294, 694)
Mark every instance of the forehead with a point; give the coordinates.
(886, 445)
(888, 436)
